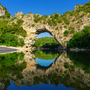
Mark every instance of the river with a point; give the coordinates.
(45, 70)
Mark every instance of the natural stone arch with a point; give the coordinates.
(33, 32)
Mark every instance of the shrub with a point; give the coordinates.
(82, 15)
(36, 20)
(73, 20)
(33, 25)
(20, 21)
(65, 26)
(7, 15)
(67, 22)
(66, 33)
(3, 17)
(21, 42)
(60, 21)
(66, 65)
(56, 28)
(72, 31)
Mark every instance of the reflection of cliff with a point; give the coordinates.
(62, 71)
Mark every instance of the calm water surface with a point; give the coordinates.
(45, 70)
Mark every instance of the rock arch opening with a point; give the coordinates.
(46, 39)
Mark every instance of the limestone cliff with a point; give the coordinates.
(2, 12)
(57, 25)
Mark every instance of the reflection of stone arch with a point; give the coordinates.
(58, 70)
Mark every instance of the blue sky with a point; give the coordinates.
(43, 7)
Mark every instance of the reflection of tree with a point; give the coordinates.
(80, 59)
(9, 67)
(9, 59)
(65, 79)
(46, 54)
(62, 71)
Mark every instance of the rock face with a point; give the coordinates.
(76, 22)
(19, 15)
(33, 32)
(2, 86)
(2, 12)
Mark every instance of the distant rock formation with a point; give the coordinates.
(19, 15)
(2, 12)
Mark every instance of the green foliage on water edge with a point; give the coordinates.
(80, 39)
(9, 34)
(46, 54)
(80, 60)
(46, 42)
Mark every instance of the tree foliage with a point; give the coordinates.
(47, 42)
(9, 34)
(80, 39)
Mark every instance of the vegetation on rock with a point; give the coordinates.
(66, 32)
(70, 20)
(7, 14)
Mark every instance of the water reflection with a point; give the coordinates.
(69, 71)
(44, 63)
(38, 87)
(81, 60)
(45, 58)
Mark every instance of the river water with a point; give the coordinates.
(45, 70)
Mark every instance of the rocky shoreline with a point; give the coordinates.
(10, 49)
(77, 49)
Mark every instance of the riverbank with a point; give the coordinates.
(77, 49)
(9, 49)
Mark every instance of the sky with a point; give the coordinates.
(43, 7)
